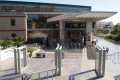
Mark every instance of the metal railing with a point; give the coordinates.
(26, 76)
(115, 57)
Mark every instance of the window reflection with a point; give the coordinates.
(40, 7)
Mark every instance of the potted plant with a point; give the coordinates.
(30, 50)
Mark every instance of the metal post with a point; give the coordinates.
(19, 61)
(47, 75)
(16, 61)
(118, 56)
(25, 56)
(114, 56)
(104, 56)
(56, 61)
(52, 74)
(59, 60)
(99, 71)
(39, 75)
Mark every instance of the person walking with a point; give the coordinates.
(107, 49)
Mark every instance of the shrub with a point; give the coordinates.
(4, 44)
(117, 38)
(31, 49)
(9, 42)
(17, 43)
(109, 36)
(15, 39)
(21, 38)
(1, 41)
(11, 38)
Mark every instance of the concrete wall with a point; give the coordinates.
(6, 29)
(7, 53)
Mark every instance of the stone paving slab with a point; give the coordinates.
(7, 67)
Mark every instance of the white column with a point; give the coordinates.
(62, 32)
(89, 29)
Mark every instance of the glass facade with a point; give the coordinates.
(75, 25)
(39, 21)
(40, 7)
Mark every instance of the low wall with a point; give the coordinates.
(7, 53)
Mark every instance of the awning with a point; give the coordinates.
(94, 15)
(38, 35)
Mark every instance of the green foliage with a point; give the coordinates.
(21, 38)
(1, 41)
(116, 30)
(9, 42)
(17, 43)
(115, 34)
(4, 44)
(15, 39)
(11, 38)
(31, 49)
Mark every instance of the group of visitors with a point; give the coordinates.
(107, 49)
(96, 41)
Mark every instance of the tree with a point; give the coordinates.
(116, 30)
(21, 38)
(9, 43)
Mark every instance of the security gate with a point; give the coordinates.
(20, 59)
(100, 61)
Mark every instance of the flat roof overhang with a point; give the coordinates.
(82, 16)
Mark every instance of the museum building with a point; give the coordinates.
(60, 22)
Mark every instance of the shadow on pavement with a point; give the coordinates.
(117, 77)
(72, 77)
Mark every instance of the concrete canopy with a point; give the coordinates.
(82, 16)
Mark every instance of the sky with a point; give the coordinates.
(97, 5)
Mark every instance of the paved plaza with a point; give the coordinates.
(75, 66)
(7, 67)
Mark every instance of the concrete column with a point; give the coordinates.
(89, 29)
(62, 31)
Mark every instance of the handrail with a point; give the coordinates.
(113, 53)
(26, 74)
(115, 57)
